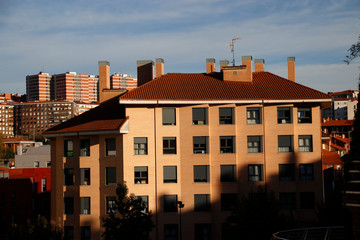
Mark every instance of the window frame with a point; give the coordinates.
(85, 176)
(285, 148)
(169, 118)
(202, 231)
(142, 178)
(228, 201)
(110, 179)
(255, 139)
(138, 147)
(170, 203)
(304, 115)
(85, 147)
(287, 200)
(200, 116)
(168, 171)
(224, 117)
(68, 148)
(227, 144)
(307, 143)
(253, 115)
(199, 171)
(255, 172)
(69, 177)
(171, 231)
(306, 172)
(198, 142)
(110, 205)
(284, 115)
(85, 206)
(228, 175)
(110, 146)
(145, 201)
(169, 145)
(287, 172)
(202, 203)
(68, 205)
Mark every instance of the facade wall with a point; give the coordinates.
(7, 120)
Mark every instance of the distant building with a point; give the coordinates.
(338, 127)
(344, 105)
(7, 120)
(33, 157)
(39, 87)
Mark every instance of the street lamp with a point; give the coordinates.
(181, 205)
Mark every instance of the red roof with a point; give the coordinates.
(335, 123)
(337, 146)
(330, 158)
(201, 86)
(342, 92)
(344, 140)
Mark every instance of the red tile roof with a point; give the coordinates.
(335, 123)
(330, 158)
(201, 86)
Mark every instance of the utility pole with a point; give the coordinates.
(231, 45)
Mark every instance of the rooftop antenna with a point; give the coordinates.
(231, 45)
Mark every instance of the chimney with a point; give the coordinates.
(145, 71)
(247, 61)
(104, 78)
(210, 65)
(223, 63)
(241, 73)
(259, 65)
(291, 68)
(159, 67)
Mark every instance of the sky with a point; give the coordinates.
(73, 35)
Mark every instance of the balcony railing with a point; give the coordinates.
(321, 233)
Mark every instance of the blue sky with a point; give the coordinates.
(62, 36)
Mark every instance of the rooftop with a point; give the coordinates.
(335, 123)
(330, 158)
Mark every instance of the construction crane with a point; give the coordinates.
(231, 45)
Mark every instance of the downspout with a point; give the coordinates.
(264, 147)
(156, 192)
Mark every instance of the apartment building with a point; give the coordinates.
(344, 105)
(7, 120)
(205, 139)
(39, 87)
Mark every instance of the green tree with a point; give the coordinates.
(130, 222)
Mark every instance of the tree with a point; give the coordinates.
(354, 52)
(131, 221)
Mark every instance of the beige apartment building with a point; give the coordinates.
(205, 139)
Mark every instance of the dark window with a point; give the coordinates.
(284, 115)
(170, 174)
(228, 173)
(36, 164)
(48, 164)
(141, 175)
(68, 205)
(68, 148)
(43, 184)
(68, 233)
(110, 175)
(253, 115)
(201, 173)
(307, 200)
(285, 143)
(84, 176)
(286, 172)
(140, 145)
(111, 205)
(254, 144)
(110, 146)
(170, 232)
(200, 145)
(85, 147)
(228, 201)
(202, 231)
(202, 202)
(287, 200)
(170, 203)
(145, 202)
(85, 205)
(169, 116)
(306, 172)
(255, 172)
(304, 115)
(227, 144)
(226, 115)
(85, 232)
(169, 145)
(200, 116)
(68, 176)
(305, 143)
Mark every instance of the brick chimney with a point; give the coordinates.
(259, 65)
(223, 63)
(291, 68)
(159, 67)
(104, 78)
(210, 65)
(241, 73)
(145, 71)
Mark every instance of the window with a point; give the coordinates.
(200, 145)
(227, 144)
(201, 173)
(140, 145)
(169, 145)
(36, 164)
(287, 200)
(169, 116)
(43, 184)
(85, 147)
(110, 175)
(285, 143)
(141, 175)
(48, 164)
(226, 115)
(305, 143)
(85, 232)
(170, 203)
(68, 233)
(202, 231)
(110, 146)
(286, 172)
(228, 173)
(85, 205)
(304, 115)
(68, 176)
(170, 232)
(200, 116)
(254, 144)
(170, 174)
(68, 205)
(202, 202)
(253, 115)
(84, 176)
(307, 200)
(284, 115)
(145, 202)
(255, 172)
(306, 172)
(68, 148)
(110, 205)
(228, 201)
